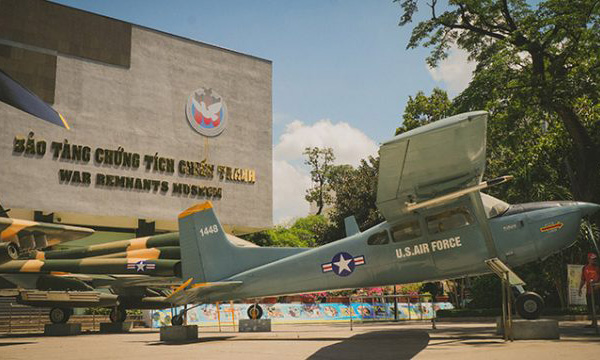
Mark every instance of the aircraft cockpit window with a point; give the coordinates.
(380, 238)
(406, 231)
(449, 220)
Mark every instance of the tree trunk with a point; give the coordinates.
(585, 165)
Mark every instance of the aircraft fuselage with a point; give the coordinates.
(436, 244)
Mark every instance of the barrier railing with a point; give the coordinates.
(390, 307)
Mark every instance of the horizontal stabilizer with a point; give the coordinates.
(200, 291)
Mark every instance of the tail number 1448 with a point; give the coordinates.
(207, 230)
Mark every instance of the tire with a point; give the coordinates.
(529, 305)
(12, 250)
(60, 315)
(255, 311)
(177, 320)
(118, 315)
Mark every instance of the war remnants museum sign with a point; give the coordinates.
(119, 158)
(157, 122)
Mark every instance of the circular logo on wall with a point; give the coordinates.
(206, 112)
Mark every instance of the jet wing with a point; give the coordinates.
(198, 292)
(145, 280)
(24, 232)
(17, 95)
(431, 161)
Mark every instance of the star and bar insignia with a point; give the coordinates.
(343, 264)
(141, 266)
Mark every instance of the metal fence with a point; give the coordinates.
(389, 307)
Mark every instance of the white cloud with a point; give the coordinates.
(349, 144)
(291, 177)
(455, 71)
(289, 186)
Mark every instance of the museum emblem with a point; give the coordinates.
(206, 111)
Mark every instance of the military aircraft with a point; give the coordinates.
(126, 274)
(121, 275)
(438, 225)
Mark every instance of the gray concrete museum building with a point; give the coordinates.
(157, 123)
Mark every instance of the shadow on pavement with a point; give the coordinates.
(196, 341)
(16, 343)
(388, 344)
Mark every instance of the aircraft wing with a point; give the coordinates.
(199, 291)
(431, 161)
(19, 230)
(17, 95)
(144, 280)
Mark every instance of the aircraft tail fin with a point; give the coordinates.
(205, 250)
(351, 226)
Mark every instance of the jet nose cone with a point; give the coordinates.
(587, 208)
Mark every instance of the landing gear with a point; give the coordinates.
(117, 315)
(529, 305)
(60, 315)
(255, 312)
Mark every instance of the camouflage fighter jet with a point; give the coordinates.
(439, 225)
(119, 275)
(127, 274)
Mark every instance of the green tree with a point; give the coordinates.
(545, 54)
(320, 161)
(304, 232)
(355, 194)
(423, 109)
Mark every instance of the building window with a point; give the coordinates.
(380, 238)
(449, 220)
(406, 231)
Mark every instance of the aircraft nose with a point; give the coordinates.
(587, 208)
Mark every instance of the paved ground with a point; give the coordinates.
(372, 341)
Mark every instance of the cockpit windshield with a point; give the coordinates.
(493, 207)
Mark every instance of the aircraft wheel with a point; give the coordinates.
(12, 250)
(60, 315)
(255, 311)
(529, 305)
(118, 315)
(177, 320)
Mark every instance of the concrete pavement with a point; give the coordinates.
(366, 341)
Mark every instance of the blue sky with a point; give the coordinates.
(339, 67)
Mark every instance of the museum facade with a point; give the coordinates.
(157, 123)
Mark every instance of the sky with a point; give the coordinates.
(341, 71)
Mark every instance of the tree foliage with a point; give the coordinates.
(544, 55)
(320, 161)
(304, 232)
(355, 192)
(422, 109)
